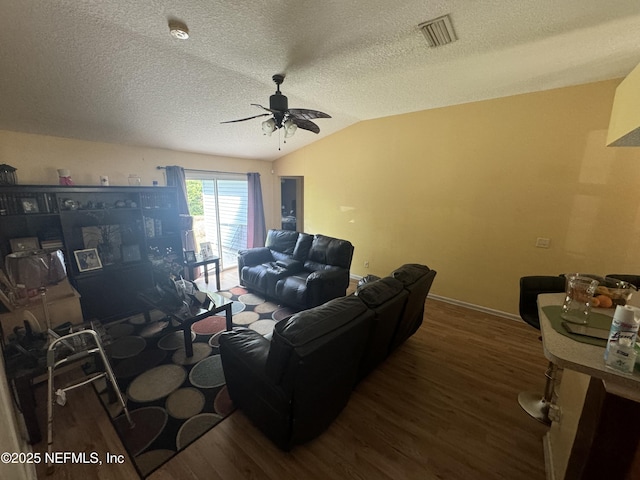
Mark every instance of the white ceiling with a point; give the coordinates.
(108, 70)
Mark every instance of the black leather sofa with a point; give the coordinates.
(297, 269)
(295, 384)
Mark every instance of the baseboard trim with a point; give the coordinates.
(460, 303)
(473, 306)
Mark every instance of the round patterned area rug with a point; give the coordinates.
(196, 426)
(134, 366)
(263, 327)
(185, 403)
(129, 346)
(200, 352)
(156, 383)
(148, 423)
(120, 330)
(209, 325)
(173, 399)
(173, 340)
(207, 373)
(254, 311)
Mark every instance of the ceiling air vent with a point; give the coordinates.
(438, 31)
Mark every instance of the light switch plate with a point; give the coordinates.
(542, 242)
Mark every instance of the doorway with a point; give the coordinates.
(291, 203)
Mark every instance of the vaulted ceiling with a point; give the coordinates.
(108, 70)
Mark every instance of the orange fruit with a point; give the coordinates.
(595, 302)
(605, 302)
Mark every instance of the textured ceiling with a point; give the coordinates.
(108, 70)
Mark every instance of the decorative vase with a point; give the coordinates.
(105, 251)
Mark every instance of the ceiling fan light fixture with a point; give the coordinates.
(178, 30)
(269, 126)
(289, 128)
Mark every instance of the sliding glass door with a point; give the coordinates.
(218, 204)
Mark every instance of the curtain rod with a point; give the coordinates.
(203, 171)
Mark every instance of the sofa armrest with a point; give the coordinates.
(245, 346)
(290, 265)
(331, 274)
(324, 285)
(255, 256)
(244, 356)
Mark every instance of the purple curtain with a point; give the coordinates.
(176, 178)
(256, 229)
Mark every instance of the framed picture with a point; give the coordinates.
(190, 256)
(206, 250)
(29, 205)
(130, 253)
(24, 244)
(87, 259)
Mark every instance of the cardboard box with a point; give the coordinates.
(64, 306)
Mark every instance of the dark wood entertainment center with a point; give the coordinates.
(135, 231)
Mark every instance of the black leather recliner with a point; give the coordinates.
(297, 269)
(387, 298)
(417, 280)
(295, 385)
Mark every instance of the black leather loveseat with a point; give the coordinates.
(295, 384)
(297, 269)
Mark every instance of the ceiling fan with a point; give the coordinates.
(289, 119)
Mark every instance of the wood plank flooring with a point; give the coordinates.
(443, 406)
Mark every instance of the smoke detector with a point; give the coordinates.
(178, 30)
(438, 31)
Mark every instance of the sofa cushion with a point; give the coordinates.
(290, 265)
(292, 289)
(409, 273)
(304, 328)
(417, 281)
(331, 251)
(283, 241)
(303, 245)
(387, 298)
(374, 294)
(255, 275)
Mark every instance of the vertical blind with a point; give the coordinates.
(224, 223)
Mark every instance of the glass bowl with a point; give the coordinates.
(618, 291)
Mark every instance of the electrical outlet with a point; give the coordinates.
(542, 242)
(366, 264)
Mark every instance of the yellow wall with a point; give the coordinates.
(38, 157)
(464, 189)
(467, 190)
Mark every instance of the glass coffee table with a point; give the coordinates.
(185, 315)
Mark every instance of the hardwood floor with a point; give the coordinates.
(443, 406)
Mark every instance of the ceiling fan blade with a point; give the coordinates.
(265, 108)
(306, 124)
(307, 114)
(248, 118)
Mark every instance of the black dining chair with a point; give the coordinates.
(626, 277)
(536, 405)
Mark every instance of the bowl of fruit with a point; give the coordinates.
(612, 292)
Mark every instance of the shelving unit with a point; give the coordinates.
(135, 231)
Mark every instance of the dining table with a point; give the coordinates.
(595, 410)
